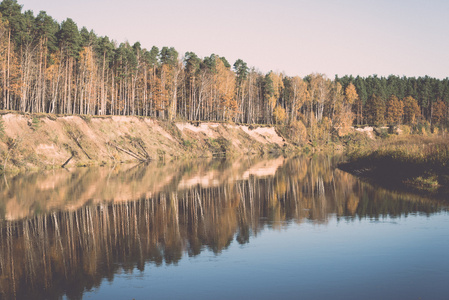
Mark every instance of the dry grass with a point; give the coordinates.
(427, 151)
(418, 161)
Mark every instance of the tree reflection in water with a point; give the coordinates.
(64, 233)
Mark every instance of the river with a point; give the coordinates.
(249, 228)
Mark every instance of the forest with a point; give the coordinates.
(47, 67)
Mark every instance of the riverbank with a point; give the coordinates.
(45, 141)
(408, 162)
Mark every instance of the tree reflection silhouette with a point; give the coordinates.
(71, 250)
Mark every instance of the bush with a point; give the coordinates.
(423, 128)
(381, 132)
(404, 129)
(296, 132)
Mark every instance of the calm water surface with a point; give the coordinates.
(243, 229)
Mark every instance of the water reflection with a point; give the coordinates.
(64, 232)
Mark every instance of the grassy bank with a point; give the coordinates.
(412, 161)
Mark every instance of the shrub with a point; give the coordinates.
(297, 132)
(404, 129)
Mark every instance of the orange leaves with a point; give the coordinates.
(278, 85)
(344, 121)
(159, 94)
(411, 110)
(351, 95)
(224, 81)
(279, 115)
(87, 60)
(52, 70)
(395, 111)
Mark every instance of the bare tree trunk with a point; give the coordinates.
(7, 79)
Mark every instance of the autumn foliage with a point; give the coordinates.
(59, 68)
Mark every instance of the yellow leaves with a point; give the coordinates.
(158, 91)
(344, 122)
(278, 86)
(342, 102)
(278, 83)
(167, 73)
(319, 87)
(15, 83)
(9, 66)
(52, 69)
(224, 81)
(279, 115)
(337, 97)
(87, 60)
(300, 92)
(322, 130)
(351, 95)
(352, 203)
(298, 132)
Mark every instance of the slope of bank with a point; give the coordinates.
(43, 141)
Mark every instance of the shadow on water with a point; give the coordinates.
(63, 233)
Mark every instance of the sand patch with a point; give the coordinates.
(369, 131)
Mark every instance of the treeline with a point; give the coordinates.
(58, 68)
(397, 100)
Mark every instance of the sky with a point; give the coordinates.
(296, 37)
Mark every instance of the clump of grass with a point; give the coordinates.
(219, 145)
(188, 143)
(86, 118)
(171, 128)
(2, 127)
(35, 123)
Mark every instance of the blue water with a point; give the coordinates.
(389, 258)
(248, 229)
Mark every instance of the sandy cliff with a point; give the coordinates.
(41, 141)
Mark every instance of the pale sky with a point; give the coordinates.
(344, 37)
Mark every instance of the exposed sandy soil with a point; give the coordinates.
(43, 141)
(369, 131)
